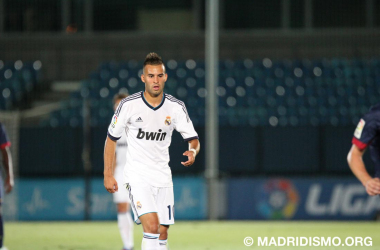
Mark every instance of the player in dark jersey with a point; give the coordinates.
(367, 134)
(9, 182)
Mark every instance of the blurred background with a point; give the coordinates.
(293, 80)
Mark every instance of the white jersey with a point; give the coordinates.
(149, 133)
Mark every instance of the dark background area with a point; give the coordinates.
(265, 151)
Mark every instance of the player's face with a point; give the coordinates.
(154, 77)
(116, 104)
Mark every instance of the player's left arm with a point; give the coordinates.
(185, 127)
(7, 159)
(364, 133)
(194, 147)
(8, 166)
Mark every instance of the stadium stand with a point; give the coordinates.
(17, 81)
(251, 92)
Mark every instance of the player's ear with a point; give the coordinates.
(143, 78)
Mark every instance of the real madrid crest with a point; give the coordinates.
(168, 121)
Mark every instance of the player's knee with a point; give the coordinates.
(122, 208)
(163, 235)
(122, 211)
(163, 232)
(152, 227)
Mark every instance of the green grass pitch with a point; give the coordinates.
(199, 235)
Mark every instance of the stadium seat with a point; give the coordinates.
(263, 92)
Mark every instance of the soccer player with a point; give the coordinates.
(148, 118)
(9, 182)
(367, 134)
(121, 198)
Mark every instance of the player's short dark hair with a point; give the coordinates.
(153, 59)
(119, 96)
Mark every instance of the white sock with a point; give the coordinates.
(163, 244)
(125, 224)
(150, 242)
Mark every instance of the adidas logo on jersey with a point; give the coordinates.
(139, 119)
(158, 136)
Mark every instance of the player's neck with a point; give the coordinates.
(154, 101)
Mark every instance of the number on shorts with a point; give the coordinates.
(170, 213)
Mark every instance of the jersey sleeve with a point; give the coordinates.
(4, 141)
(184, 125)
(118, 122)
(365, 131)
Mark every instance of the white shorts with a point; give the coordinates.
(121, 196)
(147, 199)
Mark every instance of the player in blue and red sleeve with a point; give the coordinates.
(367, 134)
(9, 182)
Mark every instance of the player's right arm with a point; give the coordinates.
(355, 161)
(109, 157)
(115, 130)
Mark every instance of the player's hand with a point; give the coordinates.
(110, 184)
(9, 183)
(191, 158)
(372, 186)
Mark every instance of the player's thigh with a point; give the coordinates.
(165, 205)
(142, 201)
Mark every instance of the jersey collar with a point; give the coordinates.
(150, 106)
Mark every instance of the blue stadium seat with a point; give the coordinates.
(265, 92)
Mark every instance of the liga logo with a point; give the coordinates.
(278, 199)
(168, 121)
(114, 120)
(359, 129)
